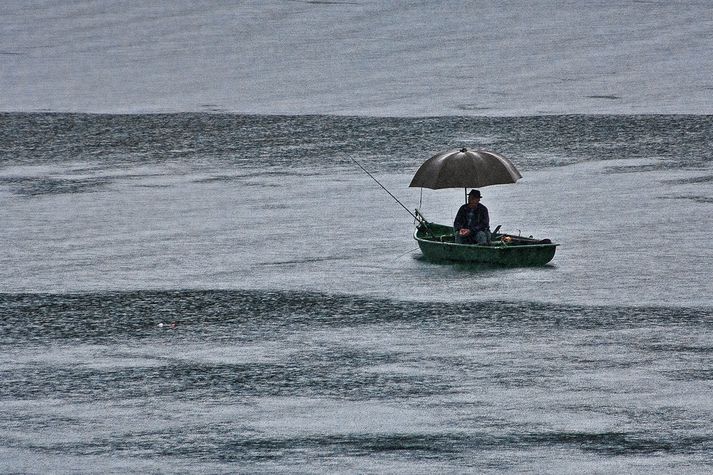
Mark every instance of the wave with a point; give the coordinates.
(318, 142)
(107, 315)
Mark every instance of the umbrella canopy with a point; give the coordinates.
(465, 169)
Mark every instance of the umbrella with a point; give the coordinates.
(465, 169)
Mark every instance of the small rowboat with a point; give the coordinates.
(474, 168)
(437, 243)
(462, 169)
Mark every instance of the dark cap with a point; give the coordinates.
(475, 193)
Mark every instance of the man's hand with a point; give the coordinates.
(464, 232)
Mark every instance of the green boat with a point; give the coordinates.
(463, 168)
(475, 169)
(437, 243)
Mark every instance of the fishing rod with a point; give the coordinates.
(384, 188)
(418, 217)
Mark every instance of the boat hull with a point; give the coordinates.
(437, 244)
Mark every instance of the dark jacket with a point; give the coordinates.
(476, 219)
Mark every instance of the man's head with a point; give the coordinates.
(474, 197)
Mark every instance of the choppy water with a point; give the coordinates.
(220, 201)
(226, 293)
(285, 381)
(221, 293)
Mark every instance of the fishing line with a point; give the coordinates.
(420, 202)
(407, 252)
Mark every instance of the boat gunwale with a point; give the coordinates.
(480, 246)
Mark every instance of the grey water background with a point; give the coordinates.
(309, 334)
(194, 275)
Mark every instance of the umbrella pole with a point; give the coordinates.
(465, 190)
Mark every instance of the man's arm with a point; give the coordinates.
(460, 219)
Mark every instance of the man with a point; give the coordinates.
(472, 223)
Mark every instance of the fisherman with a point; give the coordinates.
(472, 223)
